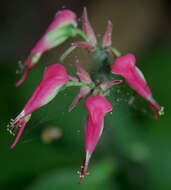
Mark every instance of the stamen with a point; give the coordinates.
(21, 67)
(81, 176)
(13, 127)
(161, 111)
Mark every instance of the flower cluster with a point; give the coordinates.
(94, 86)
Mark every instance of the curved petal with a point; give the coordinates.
(125, 66)
(58, 31)
(97, 107)
(54, 78)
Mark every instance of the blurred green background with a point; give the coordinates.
(134, 150)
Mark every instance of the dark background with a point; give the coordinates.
(134, 150)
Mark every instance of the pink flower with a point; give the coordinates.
(54, 78)
(58, 31)
(125, 66)
(97, 107)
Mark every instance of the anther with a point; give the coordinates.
(161, 111)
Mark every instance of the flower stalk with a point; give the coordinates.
(95, 84)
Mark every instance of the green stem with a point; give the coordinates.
(101, 92)
(67, 52)
(115, 51)
(75, 83)
(82, 34)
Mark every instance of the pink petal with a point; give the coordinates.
(87, 27)
(49, 39)
(125, 66)
(97, 107)
(18, 136)
(61, 18)
(107, 38)
(55, 76)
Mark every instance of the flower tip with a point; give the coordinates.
(82, 174)
(12, 146)
(81, 179)
(84, 167)
(84, 12)
(23, 77)
(63, 17)
(17, 84)
(107, 37)
(70, 108)
(110, 22)
(17, 137)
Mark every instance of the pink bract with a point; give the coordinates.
(85, 78)
(87, 28)
(107, 37)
